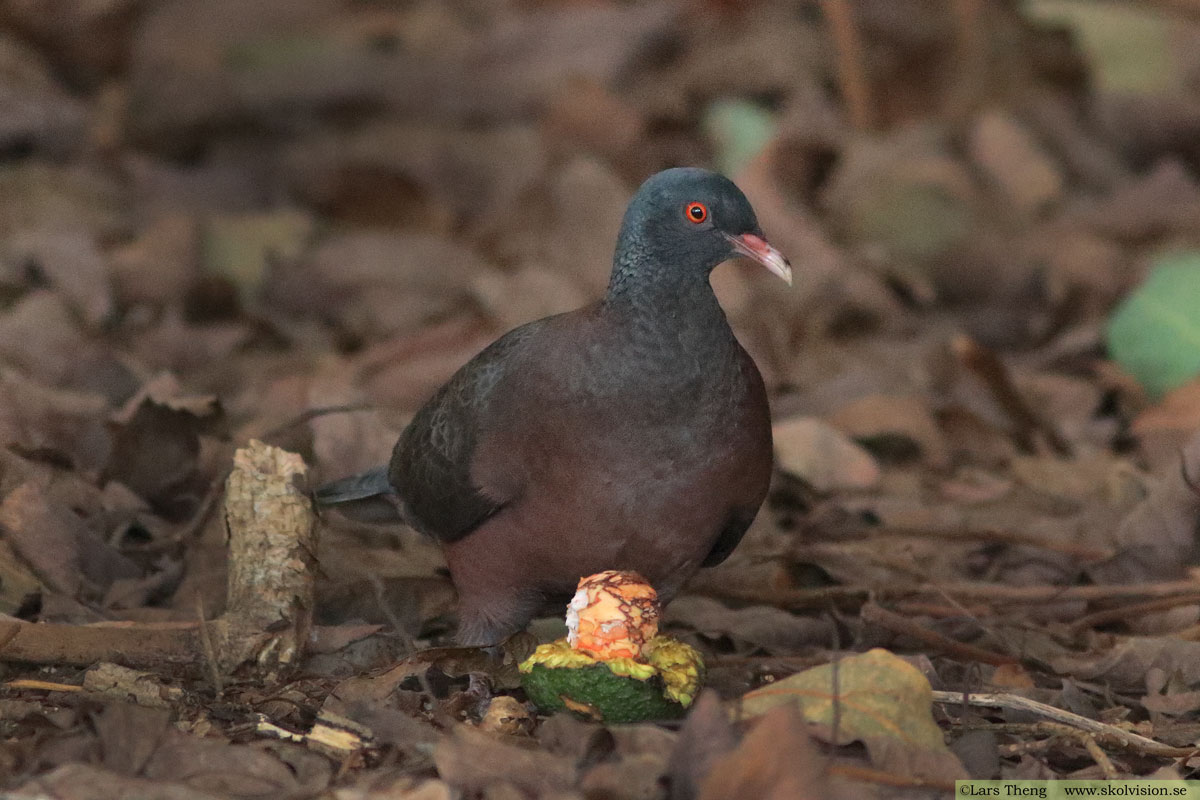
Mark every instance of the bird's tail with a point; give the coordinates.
(366, 497)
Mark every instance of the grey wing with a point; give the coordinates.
(431, 464)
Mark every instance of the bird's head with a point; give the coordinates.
(691, 219)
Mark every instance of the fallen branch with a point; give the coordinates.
(272, 539)
(877, 615)
(1081, 551)
(852, 597)
(128, 643)
(1134, 610)
(916, 608)
(1015, 702)
(42, 686)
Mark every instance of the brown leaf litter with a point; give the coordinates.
(291, 221)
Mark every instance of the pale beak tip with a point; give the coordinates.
(755, 247)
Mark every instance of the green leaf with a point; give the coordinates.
(738, 131)
(1155, 333)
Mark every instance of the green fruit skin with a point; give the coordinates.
(614, 698)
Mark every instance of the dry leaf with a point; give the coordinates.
(876, 414)
(156, 452)
(85, 782)
(69, 259)
(706, 737)
(1179, 410)
(1014, 161)
(822, 455)
(59, 546)
(882, 700)
(160, 264)
(472, 761)
(1126, 664)
(771, 629)
(217, 767)
(776, 761)
(129, 734)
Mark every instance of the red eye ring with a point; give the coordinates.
(696, 212)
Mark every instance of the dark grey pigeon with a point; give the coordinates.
(630, 434)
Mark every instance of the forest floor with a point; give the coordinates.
(291, 220)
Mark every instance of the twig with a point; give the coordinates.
(385, 608)
(42, 686)
(970, 58)
(1099, 756)
(1134, 610)
(1015, 702)
(850, 597)
(147, 645)
(200, 518)
(976, 618)
(791, 662)
(940, 610)
(1046, 593)
(210, 649)
(881, 778)
(1083, 552)
(143, 644)
(1022, 748)
(1056, 734)
(851, 63)
(903, 625)
(995, 375)
(310, 414)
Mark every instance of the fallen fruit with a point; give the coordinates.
(613, 666)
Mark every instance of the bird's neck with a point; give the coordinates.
(666, 311)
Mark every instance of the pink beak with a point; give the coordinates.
(756, 248)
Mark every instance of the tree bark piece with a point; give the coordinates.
(272, 542)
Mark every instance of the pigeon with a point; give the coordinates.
(631, 434)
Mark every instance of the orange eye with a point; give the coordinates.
(696, 212)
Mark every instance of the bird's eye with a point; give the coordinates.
(696, 212)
